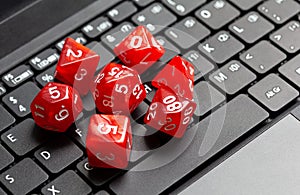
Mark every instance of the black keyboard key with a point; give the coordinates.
(44, 59)
(279, 11)
(25, 137)
(296, 112)
(183, 7)
(143, 3)
(170, 49)
(155, 17)
(187, 32)
(17, 76)
(221, 47)
(139, 112)
(122, 11)
(262, 57)
(201, 65)
(2, 90)
(23, 177)
(206, 97)
(117, 34)
(96, 27)
(6, 119)
(251, 27)
(67, 183)
(232, 77)
(58, 153)
(273, 92)
(20, 99)
(291, 70)
(97, 176)
(46, 76)
(79, 133)
(246, 4)
(288, 37)
(6, 158)
(78, 37)
(217, 13)
(105, 55)
(198, 145)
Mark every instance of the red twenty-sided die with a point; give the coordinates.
(169, 112)
(56, 107)
(76, 66)
(108, 141)
(178, 75)
(139, 50)
(118, 90)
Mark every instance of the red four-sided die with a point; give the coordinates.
(118, 90)
(108, 141)
(56, 107)
(139, 50)
(76, 66)
(178, 75)
(169, 112)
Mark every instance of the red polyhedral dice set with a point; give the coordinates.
(117, 92)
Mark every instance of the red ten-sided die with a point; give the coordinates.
(108, 141)
(139, 50)
(169, 112)
(178, 75)
(118, 90)
(76, 66)
(56, 107)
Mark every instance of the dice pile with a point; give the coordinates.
(117, 92)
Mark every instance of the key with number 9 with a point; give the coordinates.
(56, 107)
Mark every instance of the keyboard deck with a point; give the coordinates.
(247, 74)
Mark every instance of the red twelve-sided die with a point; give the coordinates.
(108, 141)
(169, 112)
(118, 90)
(139, 50)
(76, 66)
(56, 107)
(178, 74)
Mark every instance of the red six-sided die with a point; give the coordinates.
(108, 141)
(56, 107)
(139, 50)
(76, 66)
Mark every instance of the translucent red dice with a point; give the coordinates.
(56, 107)
(139, 50)
(108, 141)
(76, 66)
(118, 90)
(178, 74)
(169, 112)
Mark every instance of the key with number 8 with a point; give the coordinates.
(56, 107)
(169, 112)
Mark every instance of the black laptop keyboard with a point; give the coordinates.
(247, 65)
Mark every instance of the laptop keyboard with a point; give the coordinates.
(246, 65)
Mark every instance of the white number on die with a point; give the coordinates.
(152, 114)
(70, 52)
(171, 103)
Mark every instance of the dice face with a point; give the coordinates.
(76, 66)
(109, 141)
(169, 112)
(118, 90)
(56, 107)
(139, 50)
(178, 74)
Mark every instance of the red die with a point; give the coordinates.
(118, 90)
(139, 50)
(169, 112)
(108, 141)
(56, 107)
(76, 66)
(178, 74)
